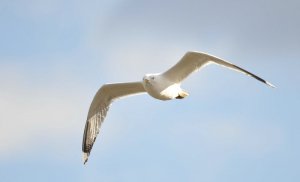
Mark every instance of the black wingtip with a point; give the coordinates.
(254, 76)
(85, 158)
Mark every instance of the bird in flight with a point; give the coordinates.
(162, 86)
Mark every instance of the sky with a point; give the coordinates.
(55, 55)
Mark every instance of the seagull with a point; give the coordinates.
(162, 86)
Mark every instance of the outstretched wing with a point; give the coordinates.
(99, 107)
(193, 61)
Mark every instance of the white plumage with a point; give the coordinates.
(162, 86)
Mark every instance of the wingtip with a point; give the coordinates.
(270, 84)
(85, 158)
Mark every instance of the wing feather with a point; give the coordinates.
(99, 108)
(193, 61)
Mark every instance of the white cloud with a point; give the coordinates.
(31, 113)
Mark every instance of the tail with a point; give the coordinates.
(85, 157)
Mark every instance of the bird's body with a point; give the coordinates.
(159, 87)
(162, 86)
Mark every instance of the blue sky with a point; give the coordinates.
(55, 54)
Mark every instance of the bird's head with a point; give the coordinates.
(149, 78)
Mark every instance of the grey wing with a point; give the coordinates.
(193, 61)
(99, 107)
